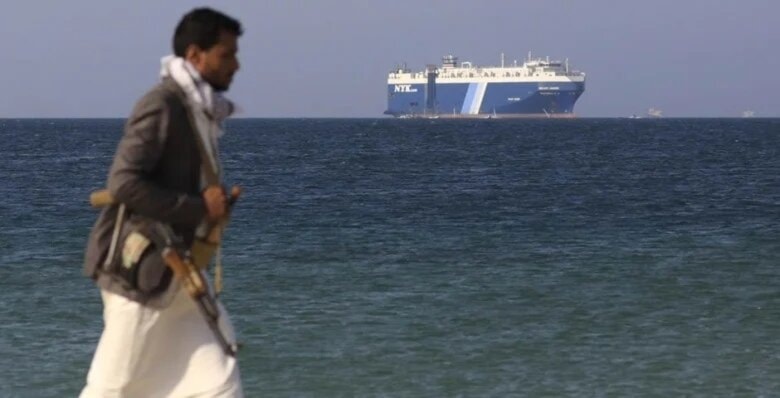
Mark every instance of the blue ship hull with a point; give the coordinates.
(481, 99)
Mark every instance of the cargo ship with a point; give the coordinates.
(538, 87)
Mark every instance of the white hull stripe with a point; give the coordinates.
(473, 100)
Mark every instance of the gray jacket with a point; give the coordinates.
(156, 174)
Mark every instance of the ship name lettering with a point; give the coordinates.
(404, 88)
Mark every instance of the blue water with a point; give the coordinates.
(433, 258)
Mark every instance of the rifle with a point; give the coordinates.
(188, 267)
(203, 249)
(195, 283)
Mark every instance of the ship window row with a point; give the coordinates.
(461, 75)
(470, 75)
(507, 74)
(517, 74)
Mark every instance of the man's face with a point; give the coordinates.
(217, 64)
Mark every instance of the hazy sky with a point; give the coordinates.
(94, 58)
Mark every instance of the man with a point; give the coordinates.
(155, 342)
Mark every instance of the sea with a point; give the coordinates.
(436, 258)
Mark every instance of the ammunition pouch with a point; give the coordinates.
(137, 262)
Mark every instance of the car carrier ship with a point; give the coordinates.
(536, 88)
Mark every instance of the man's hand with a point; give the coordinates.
(216, 202)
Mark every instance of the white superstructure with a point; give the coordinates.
(530, 71)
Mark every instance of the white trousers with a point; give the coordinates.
(171, 352)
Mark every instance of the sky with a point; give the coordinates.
(330, 58)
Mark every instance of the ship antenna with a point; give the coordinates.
(502, 60)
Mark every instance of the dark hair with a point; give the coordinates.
(202, 27)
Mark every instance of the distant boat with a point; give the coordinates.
(748, 113)
(653, 112)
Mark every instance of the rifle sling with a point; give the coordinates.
(209, 172)
(207, 168)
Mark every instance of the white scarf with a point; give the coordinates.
(209, 107)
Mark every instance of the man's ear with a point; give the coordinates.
(193, 54)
